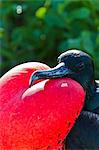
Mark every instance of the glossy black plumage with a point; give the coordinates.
(79, 66)
(85, 133)
(94, 101)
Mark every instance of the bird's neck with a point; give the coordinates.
(90, 92)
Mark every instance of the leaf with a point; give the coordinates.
(40, 13)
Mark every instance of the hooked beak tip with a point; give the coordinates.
(33, 78)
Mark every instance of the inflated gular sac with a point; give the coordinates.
(39, 117)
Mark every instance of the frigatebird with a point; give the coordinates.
(79, 66)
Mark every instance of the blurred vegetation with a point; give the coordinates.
(39, 30)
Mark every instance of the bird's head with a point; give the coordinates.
(80, 66)
(74, 64)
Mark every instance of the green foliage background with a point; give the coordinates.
(46, 28)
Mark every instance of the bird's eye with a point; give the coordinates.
(80, 66)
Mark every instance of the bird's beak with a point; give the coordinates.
(57, 72)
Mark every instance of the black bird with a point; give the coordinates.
(79, 66)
